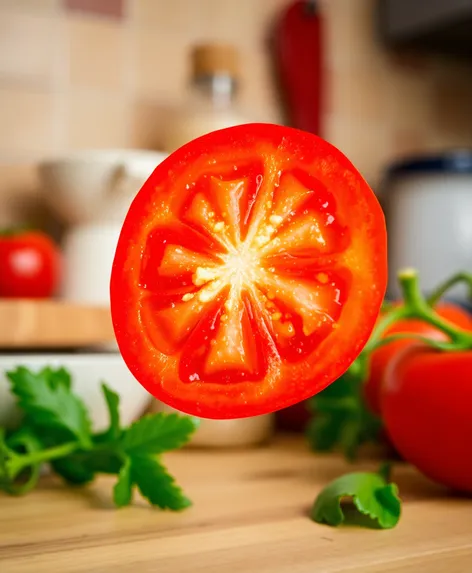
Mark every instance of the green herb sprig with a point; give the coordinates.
(371, 494)
(56, 429)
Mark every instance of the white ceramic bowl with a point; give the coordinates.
(95, 185)
(237, 433)
(88, 371)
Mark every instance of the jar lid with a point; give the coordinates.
(214, 59)
(454, 161)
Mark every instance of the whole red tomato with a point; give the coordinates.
(426, 403)
(249, 272)
(29, 265)
(381, 357)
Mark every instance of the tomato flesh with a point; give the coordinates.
(249, 272)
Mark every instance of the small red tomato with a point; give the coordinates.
(29, 265)
(382, 357)
(249, 272)
(426, 402)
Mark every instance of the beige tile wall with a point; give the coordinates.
(73, 80)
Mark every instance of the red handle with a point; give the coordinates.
(299, 62)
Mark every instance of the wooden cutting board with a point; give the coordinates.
(33, 324)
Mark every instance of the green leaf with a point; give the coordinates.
(157, 433)
(5, 451)
(123, 489)
(58, 377)
(49, 403)
(105, 460)
(56, 429)
(81, 467)
(24, 441)
(17, 478)
(73, 469)
(324, 430)
(341, 419)
(113, 401)
(370, 493)
(156, 485)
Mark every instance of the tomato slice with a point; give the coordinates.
(249, 272)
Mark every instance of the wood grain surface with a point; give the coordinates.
(249, 515)
(53, 324)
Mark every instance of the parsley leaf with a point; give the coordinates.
(157, 433)
(58, 377)
(5, 453)
(56, 429)
(156, 485)
(113, 401)
(81, 467)
(123, 489)
(371, 495)
(24, 440)
(74, 469)
(341, 418)
(49, 403)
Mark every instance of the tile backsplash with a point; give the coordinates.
(100, 73)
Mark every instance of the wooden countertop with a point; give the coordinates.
(249, 515)
(53, 324)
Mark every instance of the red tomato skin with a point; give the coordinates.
(382, 357)
(30, 266)
(426, 403)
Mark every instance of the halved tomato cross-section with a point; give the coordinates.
(249, 272)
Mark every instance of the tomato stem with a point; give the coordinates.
(388, 320)
(441, 290)
(416, 306)
(15, 231)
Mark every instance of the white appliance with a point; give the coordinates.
(428, 205)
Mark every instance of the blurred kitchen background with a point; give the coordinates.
(387, 82)
(81, 74)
